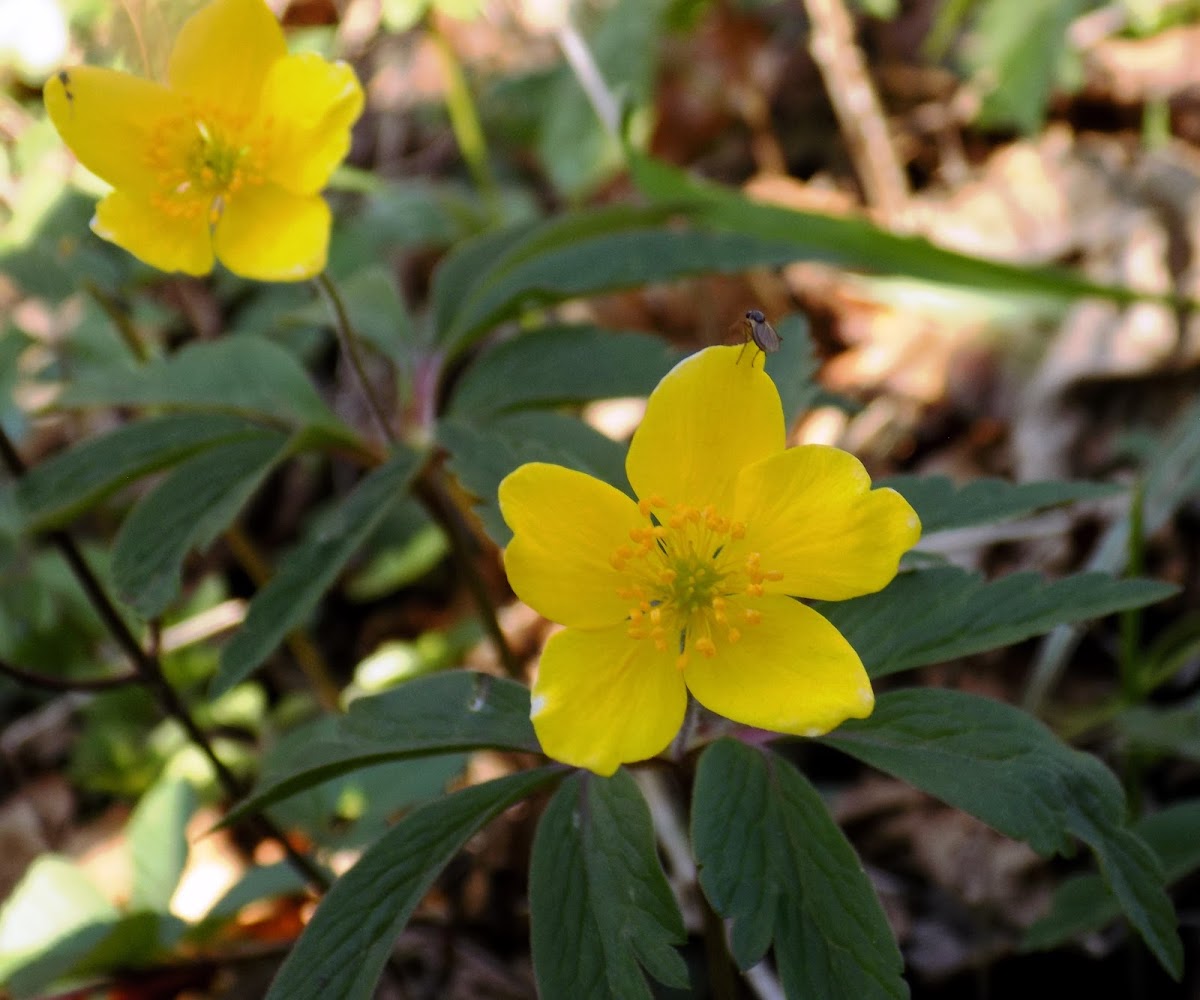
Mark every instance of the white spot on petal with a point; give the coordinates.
(536, 704)
(813, 731)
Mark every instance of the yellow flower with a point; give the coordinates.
(226, 160)
(688, 588)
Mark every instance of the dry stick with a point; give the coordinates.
(856, 105)
(151, 674)
(429, 487)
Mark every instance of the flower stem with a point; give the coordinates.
(348, 342)
(150, 674)
(430, 489)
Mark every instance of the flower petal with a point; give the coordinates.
(812, 514)
(602, 699)
(566, 526)
(108, 118)
(170, 244)
(223, 52)
(269, 234)
(793, 672)
(711, 415)
(309, 105)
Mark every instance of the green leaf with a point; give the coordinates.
(1173, 731)
(943, 505)
(577, 150)
(343, 949)
(1017, 52)
(375, 309)
(855, 243)
(158, 846)
(450, 712)
(607, 262)
(132, 941)
(774, 862)
(481, 456)
(562, 364)
(1003, 766)
(62, 487)
(1083, 903)
(939, 614)
(310, 568)
(245, 375)
(600, 906)
(260, 882)
(193, 504)
(461, 268)
(53, 900)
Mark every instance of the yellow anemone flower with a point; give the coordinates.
(691, 587)
(226, 161)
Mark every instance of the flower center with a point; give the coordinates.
(690, 582)
(202, 158)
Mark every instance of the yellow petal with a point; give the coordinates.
(602, 699)
(269, 234)
(308, 105)
(791, 673)
(223, 53)
(108, 119)
(710, 416)
(170, 244)
(566, 526)
(812, 514)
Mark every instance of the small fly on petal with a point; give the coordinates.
(759, 332)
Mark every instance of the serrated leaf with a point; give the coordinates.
(158, 846)
(343, 949)
(193, 504)
(482, 455)
(943, 505)
(57, 490)
(939, 614)
(562, 364)
(1084, 903)
(1003, 766)
(310, 568)
(600, 906)
(246, 375)
(774, 862)
(450, 712)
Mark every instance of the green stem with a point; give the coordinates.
(464, 119)
(151, 675)
(1130, 659)
(348, 342)
(430, 489)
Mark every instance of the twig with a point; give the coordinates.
(34, 679)
(856, 105)
(150, 673)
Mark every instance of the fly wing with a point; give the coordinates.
(764, 336)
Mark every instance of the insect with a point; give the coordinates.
(761, 333)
